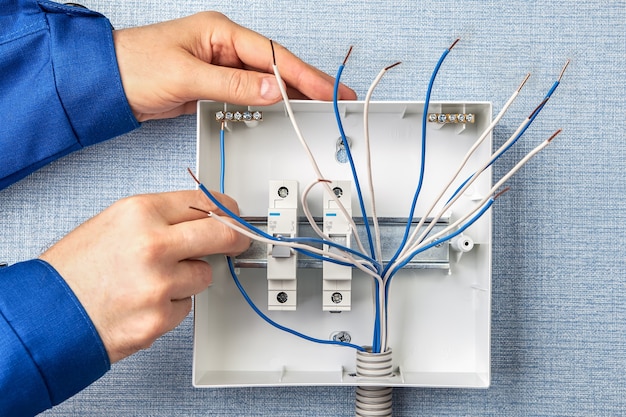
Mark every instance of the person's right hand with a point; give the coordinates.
(134, 267)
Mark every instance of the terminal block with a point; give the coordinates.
(282, 221)
(337, 279)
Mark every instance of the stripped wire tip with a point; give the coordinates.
(193, 176)
(454, 43)
(273, 53)
(393, 65)
(563, 70)
(555, 134)
(347, 56)
(523, 82)
(208, 213)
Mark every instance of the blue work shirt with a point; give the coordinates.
(60, 90)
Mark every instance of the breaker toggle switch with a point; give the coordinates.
(282, 220)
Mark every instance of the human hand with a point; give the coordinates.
(134, 266)
(167, 67)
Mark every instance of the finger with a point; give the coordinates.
(305, 78)
(173, 207)
(190, 277)
(197, 238)
(232, 85)
(254, 50)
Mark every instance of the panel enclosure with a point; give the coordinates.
(439, 315)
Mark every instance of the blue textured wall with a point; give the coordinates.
(559, 286)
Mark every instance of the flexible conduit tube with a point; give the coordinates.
(373, 401)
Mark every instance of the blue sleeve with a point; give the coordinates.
(60, 87)
(49, 348)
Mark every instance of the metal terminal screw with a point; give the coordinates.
(247, 116)
(282, 297)
(219, 115)
(342, 336)
(237, 116)
(336, 297)
(257, 115)
(338, 192)
(228, 115)
(442, 118)
(432, 117)
(283, 192)
(469, 117)
(461, 117)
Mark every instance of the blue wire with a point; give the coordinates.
(436, 242)
(423, 160)
(279, 326)
(234, 274)
(519, 135)
(352, 167)
(457, 232)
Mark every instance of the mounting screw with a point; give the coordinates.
(342, 336)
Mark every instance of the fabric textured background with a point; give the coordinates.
(559, 286)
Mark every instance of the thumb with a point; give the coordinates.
(236, 86)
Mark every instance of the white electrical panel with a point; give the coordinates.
(439, 304)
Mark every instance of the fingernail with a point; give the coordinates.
(269, 89)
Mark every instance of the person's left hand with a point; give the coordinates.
(167, 67)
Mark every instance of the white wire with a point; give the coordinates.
(469, 153)
(461, 220)
(296, 128)
(474, 177)
(307, 211)
(309, 216)
(454, 225)
(368, 159)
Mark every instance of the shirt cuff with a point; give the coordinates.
(53, 327)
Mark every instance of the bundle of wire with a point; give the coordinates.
(413, 243)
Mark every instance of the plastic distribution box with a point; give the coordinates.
(439, 311)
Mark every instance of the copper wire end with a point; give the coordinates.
(193, 176)
(393, 65)
(543, 103)
(523, 82)
(563, 70)
(499, 193)
(554, 135)
(323, 180)
(347, 55)
(273, 52)
(208, 213)
(454, 43)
